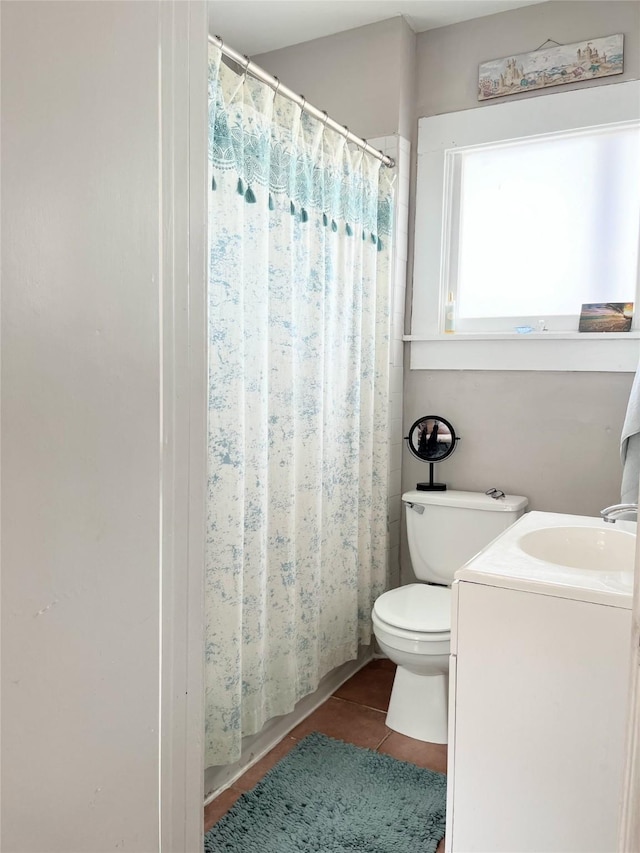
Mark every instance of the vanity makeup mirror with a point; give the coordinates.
(432, 439)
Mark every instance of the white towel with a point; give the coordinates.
(630, 445)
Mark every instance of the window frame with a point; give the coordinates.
(441, 139)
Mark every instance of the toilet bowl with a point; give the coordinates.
(412, 624)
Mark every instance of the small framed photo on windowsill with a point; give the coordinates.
(606, 317)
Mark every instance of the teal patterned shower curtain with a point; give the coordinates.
(300, 246)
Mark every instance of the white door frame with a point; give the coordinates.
(183, 64)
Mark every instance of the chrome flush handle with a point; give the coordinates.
(415, 507)
(496, 494)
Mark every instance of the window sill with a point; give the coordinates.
(536, 336)
(559, 351)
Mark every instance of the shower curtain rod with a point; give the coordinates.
(250, 67)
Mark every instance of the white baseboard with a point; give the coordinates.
(254, 747)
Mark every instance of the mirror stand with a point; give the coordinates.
(432, 439)
(431, 486)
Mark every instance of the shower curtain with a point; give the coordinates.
(299, 239)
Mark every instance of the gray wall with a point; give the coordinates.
(408, 82)
(557, 442)
(448, 57)
(361, 76)
(553, 437)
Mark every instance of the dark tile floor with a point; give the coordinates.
(356, 714)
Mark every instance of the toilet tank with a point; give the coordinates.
(446, 529)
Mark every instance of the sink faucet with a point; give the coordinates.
(612, 513)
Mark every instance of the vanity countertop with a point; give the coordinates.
(503, 563)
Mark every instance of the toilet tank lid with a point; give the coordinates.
(467, 500)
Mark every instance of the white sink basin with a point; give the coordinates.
(592, 548)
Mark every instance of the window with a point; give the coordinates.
(525, 211)
(543, 226)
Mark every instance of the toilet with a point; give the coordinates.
(412, 624)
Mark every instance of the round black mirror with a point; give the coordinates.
(432, 439)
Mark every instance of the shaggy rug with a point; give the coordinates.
(326, 796)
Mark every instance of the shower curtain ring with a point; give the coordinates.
(221, 41)
(304, 101)
(326, 119)
(246, 67)
(275, 91)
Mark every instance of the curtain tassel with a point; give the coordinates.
(240, 187)
(214, 186)
(292, 209)
(325, 220)
(374, 239)
(271, 204)
(364, 236)
(348, 230)
(379, 245)
(334, 226)
(304, 216)
(249, 196)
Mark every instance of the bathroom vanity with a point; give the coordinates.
(539, 670)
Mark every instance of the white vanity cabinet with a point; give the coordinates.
(538, 703)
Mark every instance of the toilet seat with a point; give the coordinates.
(415, 610)
(420, 642)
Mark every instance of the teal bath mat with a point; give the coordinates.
(327, 796)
